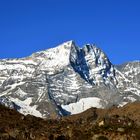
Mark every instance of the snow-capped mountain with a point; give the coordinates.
(67, 79)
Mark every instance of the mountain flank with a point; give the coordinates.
(66, 80)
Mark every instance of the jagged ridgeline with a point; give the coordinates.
(67, 80)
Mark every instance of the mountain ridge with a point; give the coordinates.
(63, 79)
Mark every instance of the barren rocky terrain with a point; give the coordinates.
(94, 124)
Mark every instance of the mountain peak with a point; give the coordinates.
(90, 61)
(92, 64)
(66, 77)
(54, 59)
(70, 42)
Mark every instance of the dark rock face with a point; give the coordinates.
(66, 80)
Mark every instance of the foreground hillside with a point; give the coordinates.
(93, 124)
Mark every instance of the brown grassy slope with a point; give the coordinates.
(93, 124)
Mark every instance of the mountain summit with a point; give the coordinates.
(66, 80)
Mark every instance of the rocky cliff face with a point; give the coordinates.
(66, 80)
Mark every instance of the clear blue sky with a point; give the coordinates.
(27, 26)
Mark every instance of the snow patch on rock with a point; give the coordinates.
(83, 104)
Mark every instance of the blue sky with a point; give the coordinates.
(27, 26)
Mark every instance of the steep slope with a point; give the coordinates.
(131, 72)
(64, 80)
